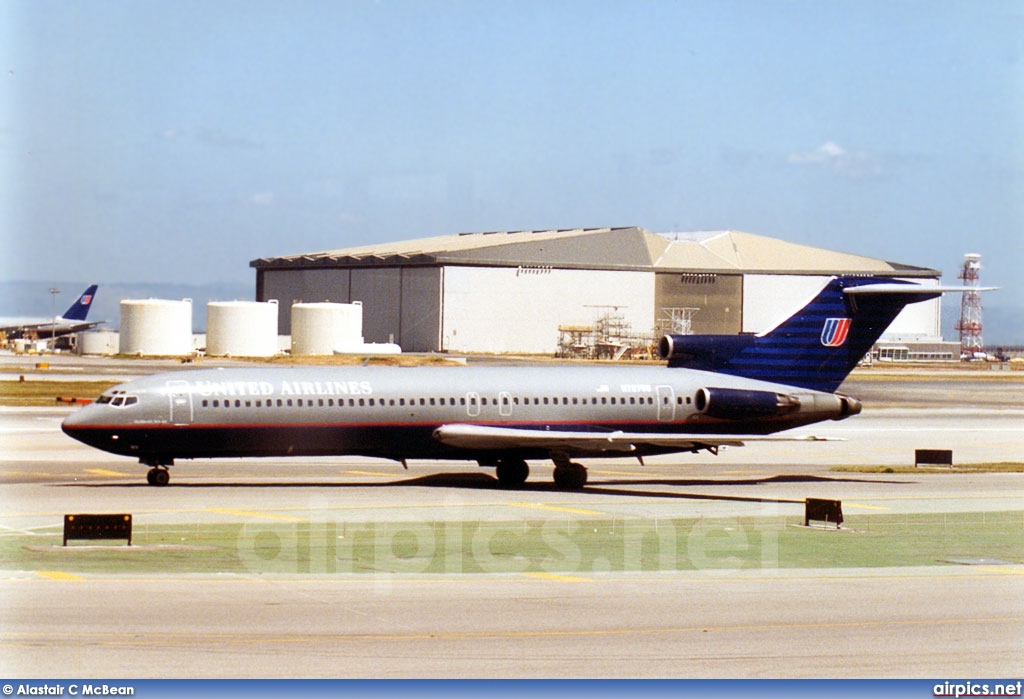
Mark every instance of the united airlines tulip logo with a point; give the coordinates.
(835, 331)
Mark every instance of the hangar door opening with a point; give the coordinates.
(716, 298)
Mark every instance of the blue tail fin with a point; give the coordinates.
(817, 347)
(80, 308)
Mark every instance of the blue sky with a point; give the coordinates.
(176, 141)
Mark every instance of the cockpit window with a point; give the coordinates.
(110, 397)
(118, 399)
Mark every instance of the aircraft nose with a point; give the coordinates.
(80, 418)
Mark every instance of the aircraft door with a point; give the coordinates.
(505, 404)
(473, 404)
(666, 397)
(181, 402)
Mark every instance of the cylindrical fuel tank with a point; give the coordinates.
(101, 342)
(156, 327)
(321, 328)
(241, 328)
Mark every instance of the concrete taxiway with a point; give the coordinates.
(744, 621)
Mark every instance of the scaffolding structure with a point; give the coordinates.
(610, 337)
(969, 324)
(676, 321)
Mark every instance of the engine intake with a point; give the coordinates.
(708, 352)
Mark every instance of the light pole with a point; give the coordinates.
(53, 308)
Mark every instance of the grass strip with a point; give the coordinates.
(558, 545)
(989, 467)
(45, 393)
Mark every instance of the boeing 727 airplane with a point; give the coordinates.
(715, 391)
(72, 321)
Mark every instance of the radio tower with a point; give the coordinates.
(969, 324)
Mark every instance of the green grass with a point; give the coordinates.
(45, 393)
(991, 467)
(555, 546)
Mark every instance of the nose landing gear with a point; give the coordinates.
(158, 475)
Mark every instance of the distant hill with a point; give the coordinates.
(32, 299)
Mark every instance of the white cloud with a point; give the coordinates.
(262, 199)
(217, 137)
(829, 150)
(858, 164)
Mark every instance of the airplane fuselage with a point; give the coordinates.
(71, 321)
(716, 391)
(393, 412)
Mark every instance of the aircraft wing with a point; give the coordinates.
(47, 329)
(24, 326)
(486, 437)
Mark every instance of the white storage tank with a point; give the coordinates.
(102, 342)
(321, 328)
(241, 328)
(156, 327)
(348, 330)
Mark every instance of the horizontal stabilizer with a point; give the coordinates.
(914, 289)
(905, 288)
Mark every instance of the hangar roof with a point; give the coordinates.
(631, 248)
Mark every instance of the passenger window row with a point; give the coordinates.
(472, 400)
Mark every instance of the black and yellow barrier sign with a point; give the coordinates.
(97, 527)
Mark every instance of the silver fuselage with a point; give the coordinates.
(392, 412)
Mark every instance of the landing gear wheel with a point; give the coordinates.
(571, 476)
(158, 476)
(512, 473)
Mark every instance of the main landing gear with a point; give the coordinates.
(512, 473)
(569, 475)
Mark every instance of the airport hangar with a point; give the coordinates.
(511, 291)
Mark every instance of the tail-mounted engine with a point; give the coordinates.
(743, 404)
(739, 404)
(707, 352)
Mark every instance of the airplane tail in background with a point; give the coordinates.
(80, 308)
(817, 347)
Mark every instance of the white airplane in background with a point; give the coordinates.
(71, 321)
(715, 391)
